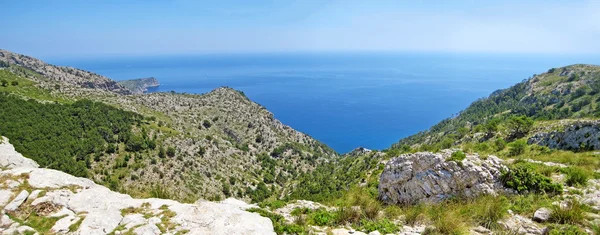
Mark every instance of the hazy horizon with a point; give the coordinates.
(146, 28)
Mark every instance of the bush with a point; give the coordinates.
(499, 144)
(457, 156)
(517, 147)
(322, 217)
(523, 177)
(383, 226)
(171, 151)
(576, 176)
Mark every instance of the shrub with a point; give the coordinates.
(576, 176)
(322, 217)
(446, 221)
(413, 214)
(347, 215)
(517, 147)
(159, 191)
(383, 226)
(206, 124)
(499, 144)
(457, 156)
(171, 151)
(523, 177)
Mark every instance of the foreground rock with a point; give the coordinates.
(79, 206)
(429, 177)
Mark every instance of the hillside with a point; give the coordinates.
(571, 92)
(171, 145)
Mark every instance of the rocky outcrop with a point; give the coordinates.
(140, 85)
(581, 135)
(79, 206)
(431, 177)
(517, 224)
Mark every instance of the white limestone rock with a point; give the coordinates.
(521, 225)
(132, 220)
(15, 203)
(10, 158)
(429, 177)
(5, 196)
(148, 229)
(62, 225)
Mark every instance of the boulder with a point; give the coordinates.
(542, 215)
(431, 177)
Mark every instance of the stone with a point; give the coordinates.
(148, 229)
(430, 177)
(34, 194)
(521, 225)
(542, 215)
(15, 203)
(100, 222)
(5, 196)
(23, 229)
(579, 134)
(375, 233)
(63, 224)
(5, 221)
(132, 220)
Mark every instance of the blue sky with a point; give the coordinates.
(89, 28)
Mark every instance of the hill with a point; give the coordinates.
(182, 146)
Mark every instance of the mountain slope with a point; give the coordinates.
(561, 93)
(182, 146)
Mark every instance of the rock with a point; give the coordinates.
(238, 203)
(5, 196)
(521, 225)
(102, 208)
(10, 158)
(286, 211)
(429, 177)
(542, 215)
(23, 229)
(34, 194)
(148, 229)
(63, 224)
(15, 203)
(343, 231)
(480, 230)
(5, 221)
(132, 220)
(375, 233)
(579, 135)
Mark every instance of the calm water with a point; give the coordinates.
(345, 100)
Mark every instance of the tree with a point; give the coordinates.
(161, 152)
(519, 126)
(4, 83)
(14, 83)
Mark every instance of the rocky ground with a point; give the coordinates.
(36, 200)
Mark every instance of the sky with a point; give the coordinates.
(151, 27)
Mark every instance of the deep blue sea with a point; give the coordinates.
(345, 100)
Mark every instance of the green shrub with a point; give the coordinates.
(384, 226)
(347, 215)
(517, 147)
(457, 156)
(322, 217)
(523, 177)
(279, 224)
(576, 176)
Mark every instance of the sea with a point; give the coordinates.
(343, 99)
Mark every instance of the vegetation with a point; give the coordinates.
(74, 131)
(523, 178)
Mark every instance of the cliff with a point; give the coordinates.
(139, 85)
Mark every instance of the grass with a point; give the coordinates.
(573, 213)
(76, 225)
